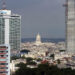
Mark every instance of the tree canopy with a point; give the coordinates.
(43, 69)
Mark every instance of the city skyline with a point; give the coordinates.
(43, 16)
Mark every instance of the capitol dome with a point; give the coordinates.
(38, 39)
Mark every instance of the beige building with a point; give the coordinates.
(70, 26)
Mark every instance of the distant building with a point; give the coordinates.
(4, 60)
(10, 29)
(38, 39)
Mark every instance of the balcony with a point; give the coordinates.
(2, 57)
(3, 49)
(2, 53)
(2, 70)
(2, 65)
(2, 74)
(2, 61)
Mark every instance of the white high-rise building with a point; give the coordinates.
(70, 26)
(10, 29)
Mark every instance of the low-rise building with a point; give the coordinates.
(13, 63)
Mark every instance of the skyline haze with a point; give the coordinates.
(44, 16)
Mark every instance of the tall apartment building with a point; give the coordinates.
(10, 29)
(70, 26)
(4, 60)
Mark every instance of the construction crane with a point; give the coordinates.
(66, 6)
(3, 4)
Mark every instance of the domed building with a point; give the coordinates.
(38, 39)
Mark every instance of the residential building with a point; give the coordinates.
(4, 60)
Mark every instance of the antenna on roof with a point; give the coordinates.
(3, 4)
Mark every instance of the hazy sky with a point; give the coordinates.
(44, 16)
